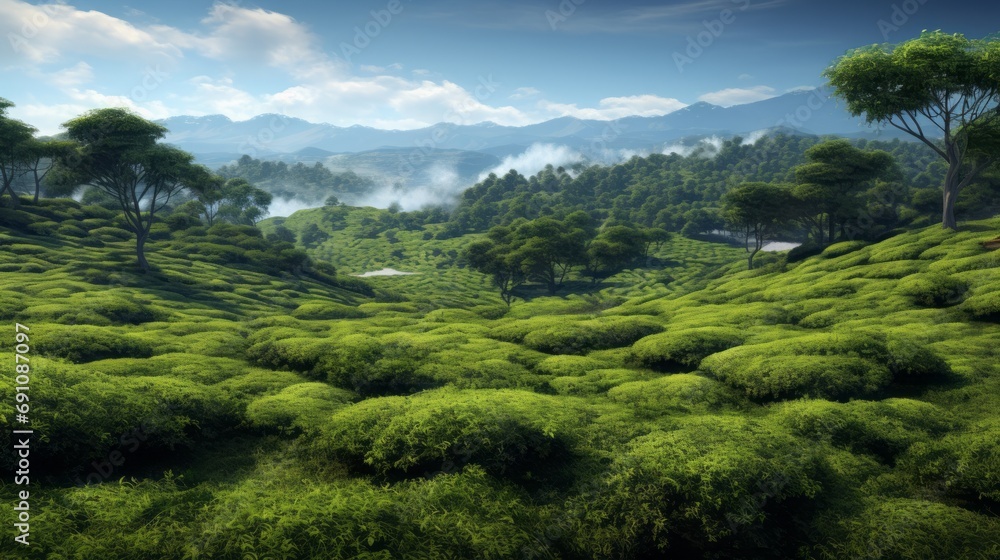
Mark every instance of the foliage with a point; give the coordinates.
(505, 432)
(934, 83)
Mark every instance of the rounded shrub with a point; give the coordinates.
(984, 306)
(913, 529)
(84, 343)
(324, 311)
(884, 429)
(296, 408)
(681, 392)
(595, 334)
(683, 349)
(507, 432)
(822, 365)
(933, 289)
(714, 487)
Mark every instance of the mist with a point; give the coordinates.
(535, 158)
(284, 207)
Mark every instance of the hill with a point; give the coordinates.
(842, 405)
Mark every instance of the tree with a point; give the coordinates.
(613, 250)
(15, 137)
(653, 236)
(494, 256)
(40, 157)
(243, 203)
(830, 182)
(757, 210)
(312, 235)
(942, 89)
(548, 249)
(119, 154)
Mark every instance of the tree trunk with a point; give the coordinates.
(15, 201)
(38, 184)
(948, 211)
(140, 245)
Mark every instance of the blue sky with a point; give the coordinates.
(412, 63)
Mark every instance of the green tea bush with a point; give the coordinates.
(843, 248)
(984, 306)
(70, 230)
(966, 463)
(111, 234)
(297, 408)
(913, 529)
(123, 310)
(596, 334)
(316, 311)
(84, 343)
(466, 514)
(715, 487)
(86, 414)
(669, 394)
(676, 350)
(506, 432)
(569, 365)
(596, 381)
(818, 366)
(933, 289)
(884, 429)
(835, 366)
(369, 365)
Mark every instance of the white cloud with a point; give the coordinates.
(44, 33)
(534, 159)
(72, 76)
(301, 79)
(611, 108)
(523, 92)
(744, 77)
(738, 96)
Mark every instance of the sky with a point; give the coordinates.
(405, 64)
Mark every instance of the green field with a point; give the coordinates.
(229, 405)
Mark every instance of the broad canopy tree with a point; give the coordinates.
(942, 89)
(118, 153)
(15, 137)
(757, 211)
(830, 182)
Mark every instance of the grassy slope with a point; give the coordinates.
(867, 376)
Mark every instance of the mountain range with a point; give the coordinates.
(216, 139)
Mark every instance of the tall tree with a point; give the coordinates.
(613, 250)
(757, 211)
(15, 136)
(548, 249)
(494, 256)
(836, 173)
(941, 89)
(243, 203)
(40, 157)
(119, 154)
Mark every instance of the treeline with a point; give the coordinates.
(685, 194)
(311, 183)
